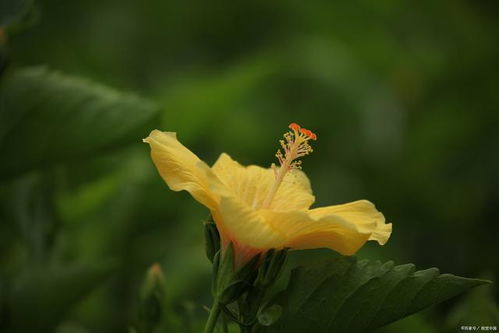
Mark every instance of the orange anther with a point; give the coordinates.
(308, 133)
(305, 131)
(294, 126)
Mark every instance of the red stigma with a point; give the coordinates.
(308, 133)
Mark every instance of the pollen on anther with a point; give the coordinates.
(294, 126)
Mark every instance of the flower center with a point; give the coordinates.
(294, 145)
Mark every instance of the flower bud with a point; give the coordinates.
(269, 315)
(154, 311)
(152, 298)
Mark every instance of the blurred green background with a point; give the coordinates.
(404, 97)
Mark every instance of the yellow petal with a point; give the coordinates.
(303, 231)
(294, 192)
(251, 185)
(246, 227)
(343, 228)
(180, 168)
(363, 214)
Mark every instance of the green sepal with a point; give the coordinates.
(215, 266)
(225, 272)
(249, 271)
(271, 267)
(268, 273)
(212, 239)
(230, 284)
(232, 292)
(242, 281)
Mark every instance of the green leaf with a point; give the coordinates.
(47, 117)
(42, 297)
(479, 306)
(342, 294)
(13, 10)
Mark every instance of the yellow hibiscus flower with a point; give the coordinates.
(258, 209)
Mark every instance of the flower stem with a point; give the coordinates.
(212, 319)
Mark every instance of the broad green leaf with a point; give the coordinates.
(342, 294)
(479, 306)
(13, 10)
(47, 117)
(41, 297)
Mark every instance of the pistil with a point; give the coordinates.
(294, 145)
